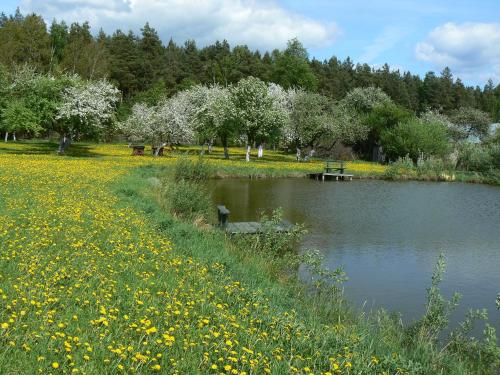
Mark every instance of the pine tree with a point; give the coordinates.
(446, 89)
(124, 62)
(291, 67)
(152, 57)
(25, 40)
(58, 41)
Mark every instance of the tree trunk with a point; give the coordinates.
(298, 154)
(247, 156)
(6, 136)
(63, 144)
(14, 136)
(260, 153)
(226, 149)
(158, 148)
(209, 147)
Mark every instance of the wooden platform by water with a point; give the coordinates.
(334, 169)
(246, 227)
(253, 227)
(322, 176)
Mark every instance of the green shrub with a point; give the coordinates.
(188, 199)
(414, 138)
(438, 309)
(474, 157)
(494, 151)
(270, 241)
(191, 170)
(402, 169)
(429, 329)
(432, 168)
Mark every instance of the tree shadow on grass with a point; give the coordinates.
(47, 148)
(218, 153)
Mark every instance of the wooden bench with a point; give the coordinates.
(335, 165)
(138, 150)
(223, 215)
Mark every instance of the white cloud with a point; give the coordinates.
(471, 50)
(384, 42)
(260, 24)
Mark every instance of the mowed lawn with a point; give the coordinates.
(90, 285)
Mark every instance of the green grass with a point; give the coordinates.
(97, 276)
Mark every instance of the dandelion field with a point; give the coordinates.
(89, 285)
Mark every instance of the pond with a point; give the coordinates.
(388, 235)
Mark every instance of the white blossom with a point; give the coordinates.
(88, 104)
(139, 125)
(173, 119)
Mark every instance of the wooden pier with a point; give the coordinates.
(253, 227)
(246, 227)
(334, 169)
(322, 176)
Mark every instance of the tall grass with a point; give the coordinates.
(183, 194)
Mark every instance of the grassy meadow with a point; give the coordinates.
(95, 278)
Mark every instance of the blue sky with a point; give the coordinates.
(415, 35)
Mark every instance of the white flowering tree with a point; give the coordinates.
(364, 99)
(139, 125)
(86, 109)
(258, 117)
(352, 115)
(347, 127)
(283, 101)
(215, 114)
(174, 120)
(170, 122)
(310, 122)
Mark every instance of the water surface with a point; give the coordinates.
(387, 235)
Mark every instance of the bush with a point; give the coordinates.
(402, 169)
(190, 170)
(414, 138)
(475, 157)
(437, 309)
(430, 169)
(188, 199)
(434, 322)
(494, 151)
(272, 242)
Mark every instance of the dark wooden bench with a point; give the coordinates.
(138, 150)
(335, 165)
(223, 215)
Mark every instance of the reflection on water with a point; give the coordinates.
(387, 235)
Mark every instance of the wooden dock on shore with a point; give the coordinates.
(330, 176)
(247, 227)
(253, 227)
(334, 169)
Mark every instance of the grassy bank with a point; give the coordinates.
(436, 170)
(273, 164)
(97, 277)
